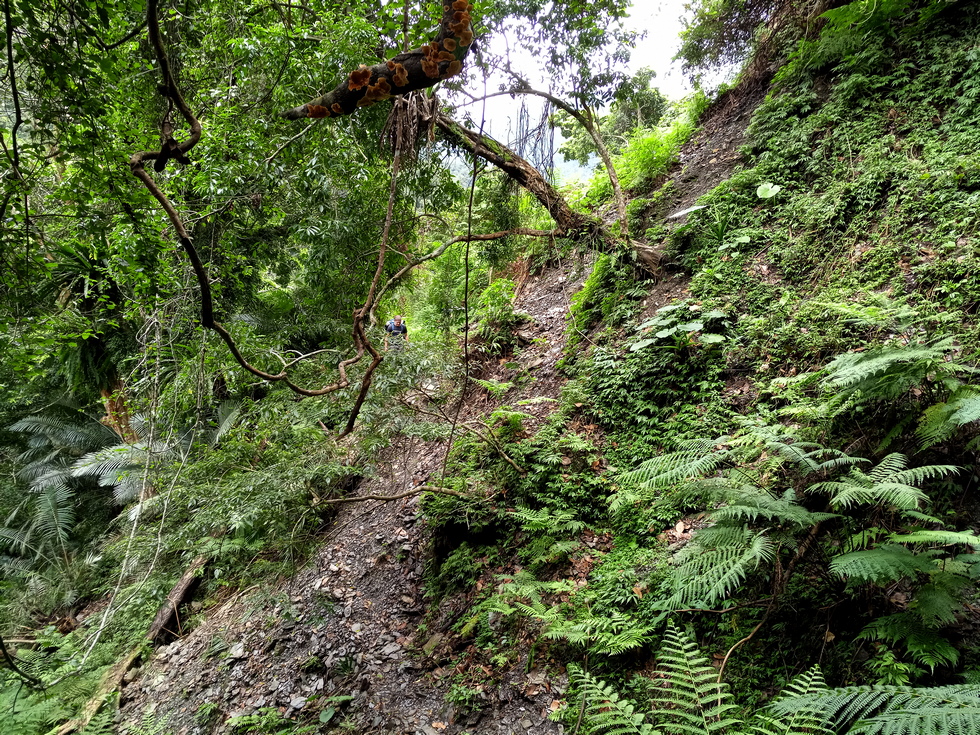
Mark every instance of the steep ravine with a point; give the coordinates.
(348, 625)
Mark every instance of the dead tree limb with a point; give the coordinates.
(168, 610)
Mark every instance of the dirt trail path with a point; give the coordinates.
(348, 624)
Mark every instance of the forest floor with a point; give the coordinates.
(348, 624)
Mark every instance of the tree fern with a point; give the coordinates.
(604, 712)
(886, 563)
(689, 699)
(923, 643)
(893, 710)
(888, 373)
(942, 420)
(696, 459)
(890, 483)
(751, 503)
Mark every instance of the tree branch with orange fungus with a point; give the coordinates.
(406, 72)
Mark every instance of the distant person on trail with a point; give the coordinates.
(396, 330)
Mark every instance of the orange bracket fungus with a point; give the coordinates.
(406, 72)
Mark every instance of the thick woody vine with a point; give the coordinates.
(406, 72)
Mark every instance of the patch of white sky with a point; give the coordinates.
(658, 23)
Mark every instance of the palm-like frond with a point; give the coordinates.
(798, 720)
(82, 437)
(689, 700)
(54, 513)
(716, 562)
(893, 710)
(604, 712)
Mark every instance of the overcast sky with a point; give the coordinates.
(659, 19)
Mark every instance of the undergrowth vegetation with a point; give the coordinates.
(785, 459)
(769, 477)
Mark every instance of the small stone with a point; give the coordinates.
(297, 702)
(237, 651)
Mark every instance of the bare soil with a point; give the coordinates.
(348, 625)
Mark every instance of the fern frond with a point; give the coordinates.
(550, 521)
(701, 457)
(690, 699)
(924, 644)
(888, 373)
(886, 563)
(716, 562)
(604, 711)
(799, 720)
(940, 421)
(608, 635)
(750, 503)
(937, 538)
(894, 710)
(889, 484)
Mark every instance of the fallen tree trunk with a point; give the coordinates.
(168, 610)
(568, 223)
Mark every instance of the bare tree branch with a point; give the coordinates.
(409, 493)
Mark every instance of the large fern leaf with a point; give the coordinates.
(798, 720)
(750, 503)
(604, 712)
(940, 421)
(689, 699)
(892, 710)
(715, 563)
(886, 563)
(890, 483)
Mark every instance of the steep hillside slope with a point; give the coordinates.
(772, 444)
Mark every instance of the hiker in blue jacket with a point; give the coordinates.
(397, 331)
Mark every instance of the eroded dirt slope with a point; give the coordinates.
(348, 624)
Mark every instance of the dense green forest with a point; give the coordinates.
(688, 447)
